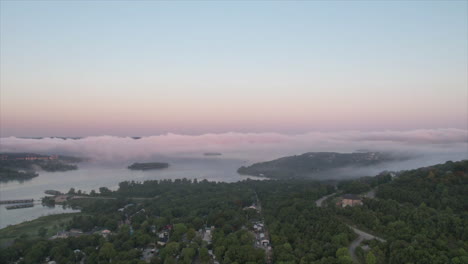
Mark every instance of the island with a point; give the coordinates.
(8, 174)
(23, 166)
(314, 164)
(148, 166)
(212, 154)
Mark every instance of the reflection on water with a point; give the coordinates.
(90, 177)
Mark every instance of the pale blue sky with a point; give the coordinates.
(143, 67)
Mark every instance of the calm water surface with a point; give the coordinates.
(91, 176)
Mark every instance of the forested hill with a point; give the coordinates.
(422, 213)
(441, 186)
(311, 163)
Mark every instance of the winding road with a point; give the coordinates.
(361, 234)
(320, 201)
(361, 237)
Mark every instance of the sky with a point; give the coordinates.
(142, 68)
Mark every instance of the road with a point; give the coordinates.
(268, 252)
(371, 193)
(320, 201)
(361, 237)
(361, 234)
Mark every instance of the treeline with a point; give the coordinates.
(443, 186)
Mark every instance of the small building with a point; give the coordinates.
(349, 200)
(60, 198)
(163, 237)
(162, 241)
(265, 242)
(62, 234)
(105, 233)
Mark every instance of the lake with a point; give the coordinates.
(91, 176)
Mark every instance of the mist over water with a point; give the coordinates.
(434, 145)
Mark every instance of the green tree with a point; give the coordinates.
(172, 249)
(370, 258)
(36, 253)
(204, 256)
(187, 255)
(107, 252)
(42, 232)
(71, 191)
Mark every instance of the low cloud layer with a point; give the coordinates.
(431, 145)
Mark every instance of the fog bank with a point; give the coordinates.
(428, 146)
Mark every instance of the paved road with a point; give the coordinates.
(320, 201)
(268, 253)
(371, 193)
(361, 237)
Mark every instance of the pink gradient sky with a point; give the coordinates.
(112, 68)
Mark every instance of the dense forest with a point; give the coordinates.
(422, 213)
(184, 221)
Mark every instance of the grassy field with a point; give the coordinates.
(53, 223)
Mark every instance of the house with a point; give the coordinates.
(62, 234)
(350, 200)
(265, 242)
(162, 241)
(61, 198)
(163, 237)
(105, 233)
